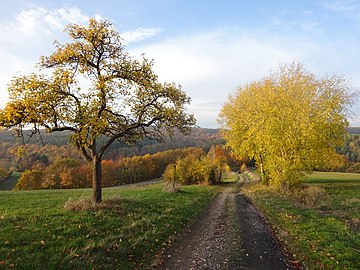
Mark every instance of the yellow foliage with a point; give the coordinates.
(99, 93)
(290, 121)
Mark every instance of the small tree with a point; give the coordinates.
(97, 92)
(30, 179)
(217, 156)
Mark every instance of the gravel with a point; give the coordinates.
(230, 234)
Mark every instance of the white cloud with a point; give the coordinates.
(342, 6)
(29, 35)
(219, 61)
(39, 20)
(210, 66)
(139, 34)
(347, 8)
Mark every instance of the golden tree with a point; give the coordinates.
(97, 92)
(290, 121)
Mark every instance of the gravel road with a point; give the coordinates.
(230, 234)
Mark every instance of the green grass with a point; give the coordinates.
(36, 232)
(333, 177)
(323, 237)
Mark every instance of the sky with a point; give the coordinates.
(208, 47)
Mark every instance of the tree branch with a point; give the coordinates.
(126, 132)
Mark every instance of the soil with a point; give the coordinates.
(230, 234)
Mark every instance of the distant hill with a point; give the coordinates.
(200, 137)
(354, 130)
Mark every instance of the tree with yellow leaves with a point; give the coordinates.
(97, 92)
(290, 121)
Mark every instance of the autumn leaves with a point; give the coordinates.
(290, 121)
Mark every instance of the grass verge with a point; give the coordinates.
(38, 232)
(323, 236)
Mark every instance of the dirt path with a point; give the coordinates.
(231, 234)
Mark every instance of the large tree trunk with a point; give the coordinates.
(96, 180)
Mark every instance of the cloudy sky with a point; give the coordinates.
(210, 47)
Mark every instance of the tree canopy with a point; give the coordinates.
(291, 122)
(95, 89)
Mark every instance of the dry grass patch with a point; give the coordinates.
(171, 188)
(303, 196)
(352, 200)
(87, 204)
(309, 196)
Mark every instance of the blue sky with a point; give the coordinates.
(209, 47)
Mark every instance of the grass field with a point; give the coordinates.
(333, 177)
(326, 236)
(37, 232)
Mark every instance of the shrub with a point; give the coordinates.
(355, 168)
(310, 196)
(306, 196)
(192, 169)
(30, 179)
(170, 173)
(186, 169)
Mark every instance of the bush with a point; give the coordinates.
(354, 168)
(304, 196)
(170, 173)
(311, 196)
(30, 179)
(185, 169)
(205, 172)
(192, 169)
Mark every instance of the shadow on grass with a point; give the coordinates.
(332, 181)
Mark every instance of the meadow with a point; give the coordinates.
(135, 225)
(325, 235)
(128, 232)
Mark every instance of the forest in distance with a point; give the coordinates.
(123, 163)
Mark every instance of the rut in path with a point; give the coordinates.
(231, 234)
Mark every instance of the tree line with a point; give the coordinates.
(62, 166)
(193, 164)
(15, 156)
